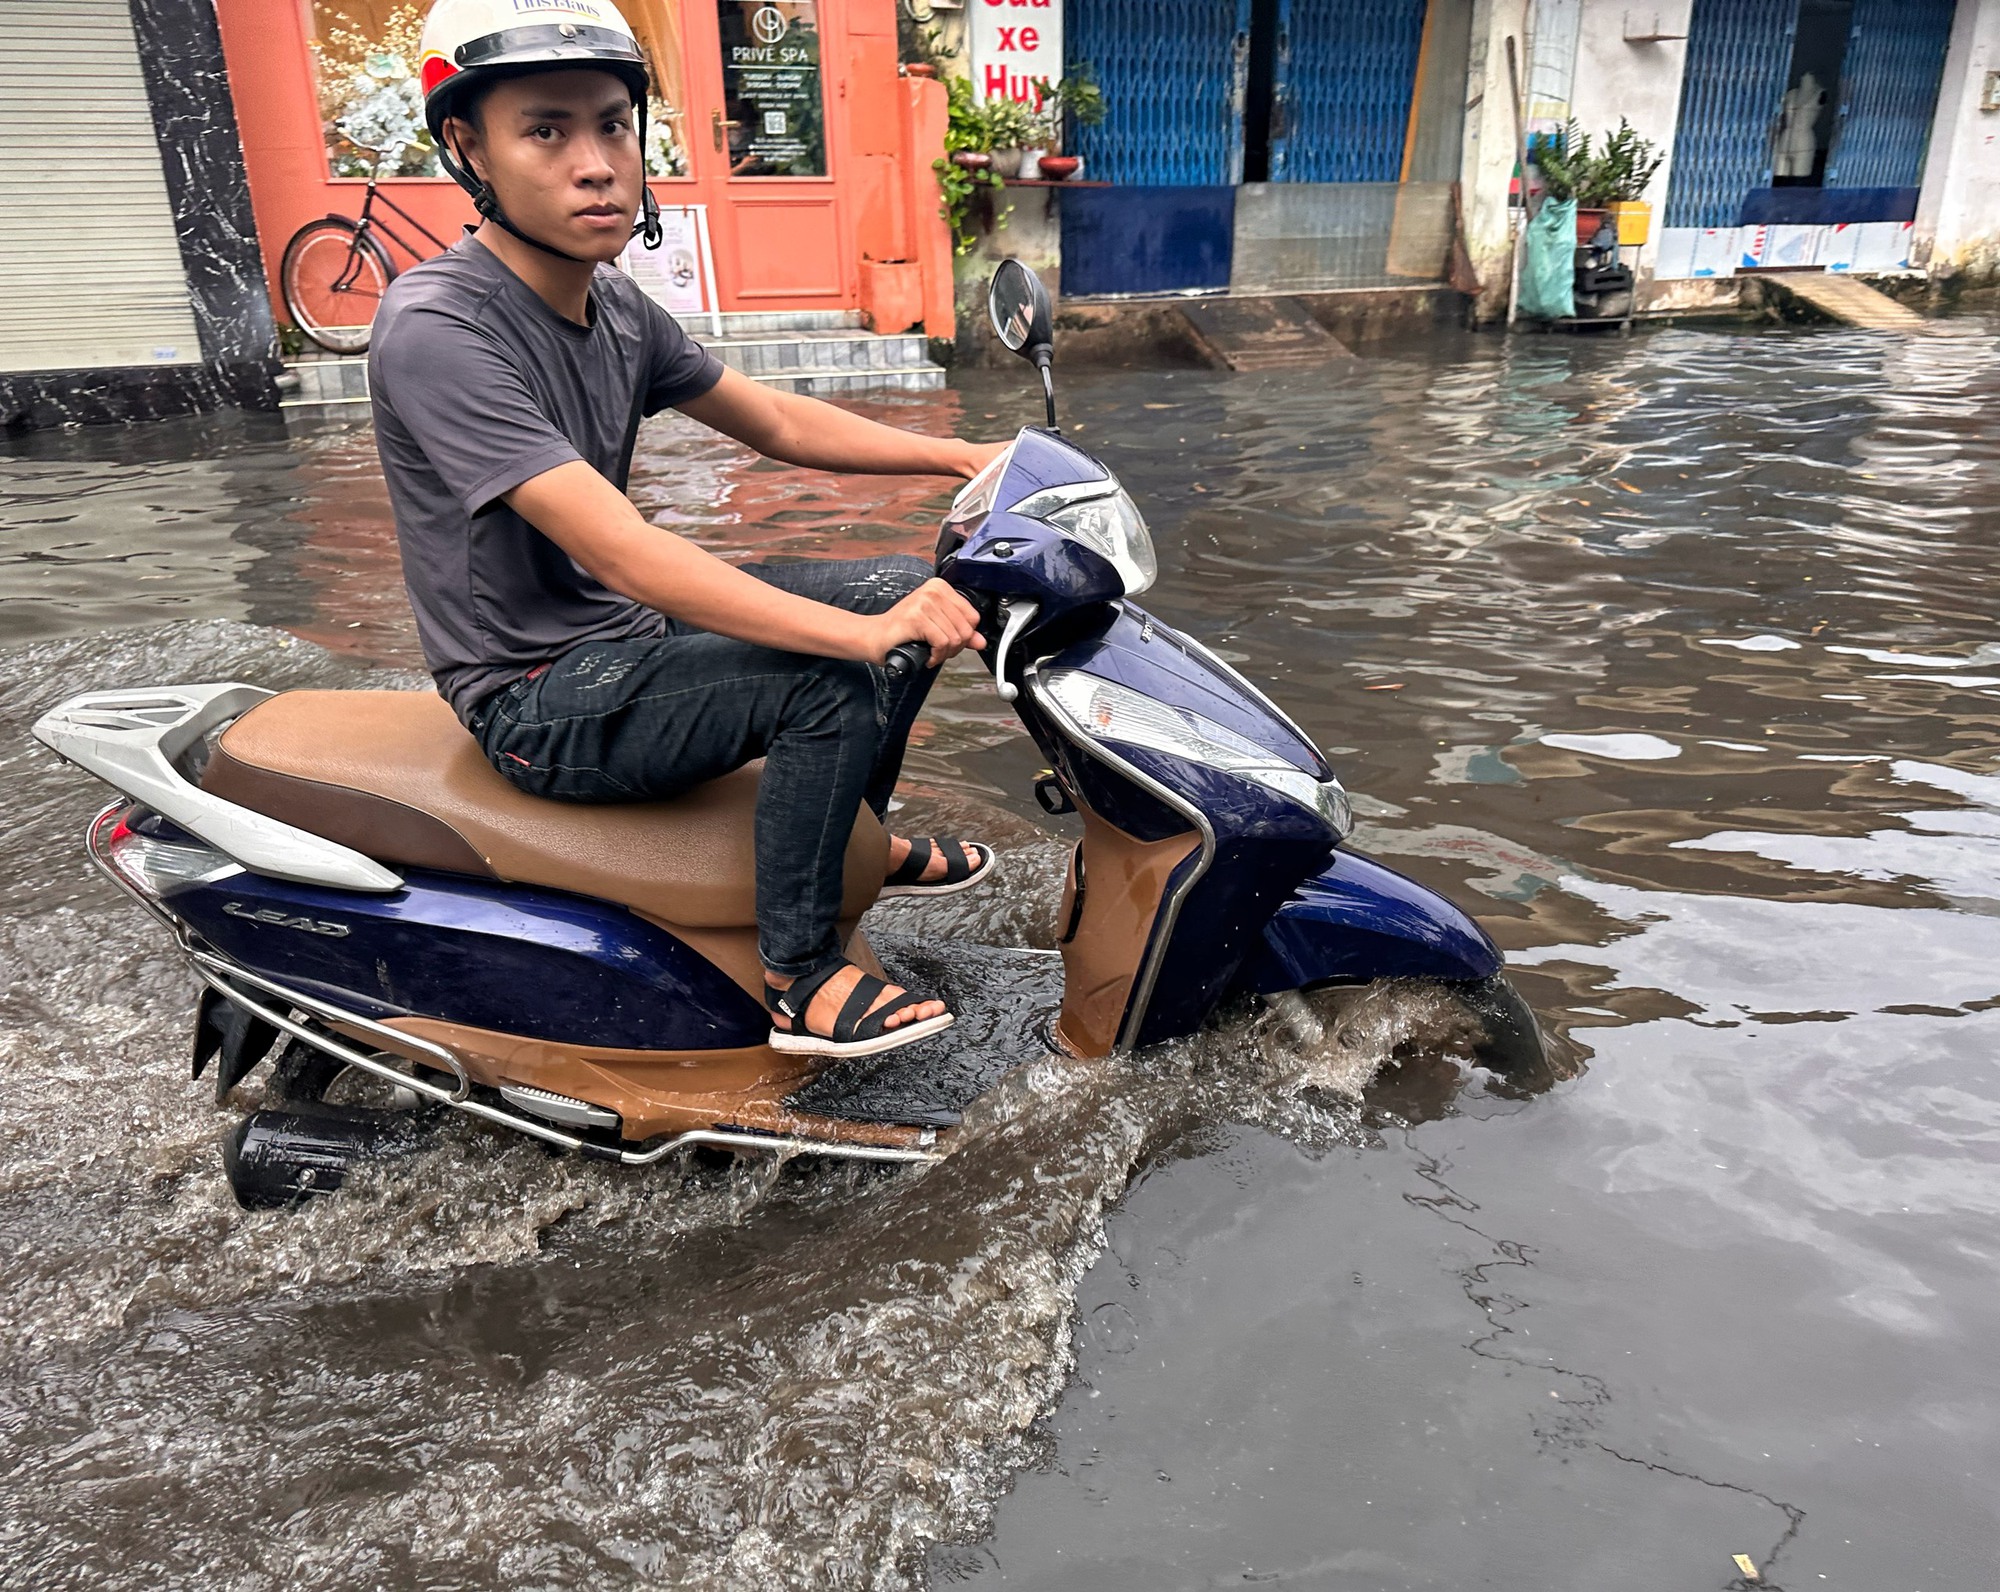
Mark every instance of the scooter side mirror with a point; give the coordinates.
(1022, 319)
(1019, 305)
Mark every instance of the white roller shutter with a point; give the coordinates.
(90, 273)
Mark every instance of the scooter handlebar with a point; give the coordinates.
(906, 659)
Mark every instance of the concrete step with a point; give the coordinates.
(761, 323)
(815, 351)
(819, 358)
(1252, 333)
(1849, 300)
(827, 384)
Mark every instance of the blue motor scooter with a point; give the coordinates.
(345, 873)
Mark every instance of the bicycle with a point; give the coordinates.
(334, 273)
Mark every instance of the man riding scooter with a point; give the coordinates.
(594, 656)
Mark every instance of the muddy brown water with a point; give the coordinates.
(1676, 659)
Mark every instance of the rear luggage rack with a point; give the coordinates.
(136, 740)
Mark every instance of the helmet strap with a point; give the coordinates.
(648, 230)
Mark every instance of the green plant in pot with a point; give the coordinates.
(1624, 169)
(1608, 182)
(967, 164)
(1074, 102)
(1012, 128)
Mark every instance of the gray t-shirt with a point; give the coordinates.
(478, 386)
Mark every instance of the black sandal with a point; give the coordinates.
(857, 1031)
(959, 874)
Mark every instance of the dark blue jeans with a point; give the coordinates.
(625, 721)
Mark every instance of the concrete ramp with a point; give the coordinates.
(1261, 333)
(1850, 301)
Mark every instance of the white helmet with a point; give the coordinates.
(467, 43)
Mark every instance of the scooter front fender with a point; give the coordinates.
(1358, 921)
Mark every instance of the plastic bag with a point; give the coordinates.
(1548, 262)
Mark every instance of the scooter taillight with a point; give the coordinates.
(154, 865)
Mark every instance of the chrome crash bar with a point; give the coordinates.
(225, 977)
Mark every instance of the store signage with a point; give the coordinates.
(774, 115)
(1014, 43)
(679, 275)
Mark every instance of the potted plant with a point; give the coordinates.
(1567, 172)
(1624, 168)
(966, 166)
(920, 42)
(1075, 102)
(1011, 130)
(1608, 184)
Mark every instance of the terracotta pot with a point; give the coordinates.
(971, 159)
(1587, 224)
(919, 69)
(1058, 167)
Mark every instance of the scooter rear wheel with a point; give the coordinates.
(305, 1075)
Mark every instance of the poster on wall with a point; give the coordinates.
(1014, 42)
(679, 275)
(771, 89)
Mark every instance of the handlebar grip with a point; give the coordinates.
(911, 657)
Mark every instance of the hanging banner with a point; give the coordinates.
(770, 86)
(1014, 42)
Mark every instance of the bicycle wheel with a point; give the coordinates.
(333, 278)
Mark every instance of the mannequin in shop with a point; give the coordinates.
(1798, 130)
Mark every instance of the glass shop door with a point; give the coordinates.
(765, 133)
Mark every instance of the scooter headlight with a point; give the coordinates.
(1104, 710)
(1102, 516)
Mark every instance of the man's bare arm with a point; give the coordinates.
(596, 524)
(799, 430)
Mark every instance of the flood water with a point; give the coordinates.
(1676, 659)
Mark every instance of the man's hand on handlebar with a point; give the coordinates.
(935, 616)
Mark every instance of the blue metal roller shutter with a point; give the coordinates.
(1347, 79)
(1888, 93)
(1739, 59)
(1165, 68)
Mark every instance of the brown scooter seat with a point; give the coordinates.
(394, 775)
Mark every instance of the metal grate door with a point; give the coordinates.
(100, 283)
(1347, 70)
(1739, 61)
(1172, 73)
(1888, 93)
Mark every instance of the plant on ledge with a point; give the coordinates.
(967, 165)
(1076, 101)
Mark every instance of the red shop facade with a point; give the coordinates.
(784, 125)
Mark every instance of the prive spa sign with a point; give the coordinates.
(1014, 42)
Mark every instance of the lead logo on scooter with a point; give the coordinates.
(284, 920)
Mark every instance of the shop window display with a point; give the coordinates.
(371, 104)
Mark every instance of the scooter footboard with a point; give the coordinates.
(1359, 921)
